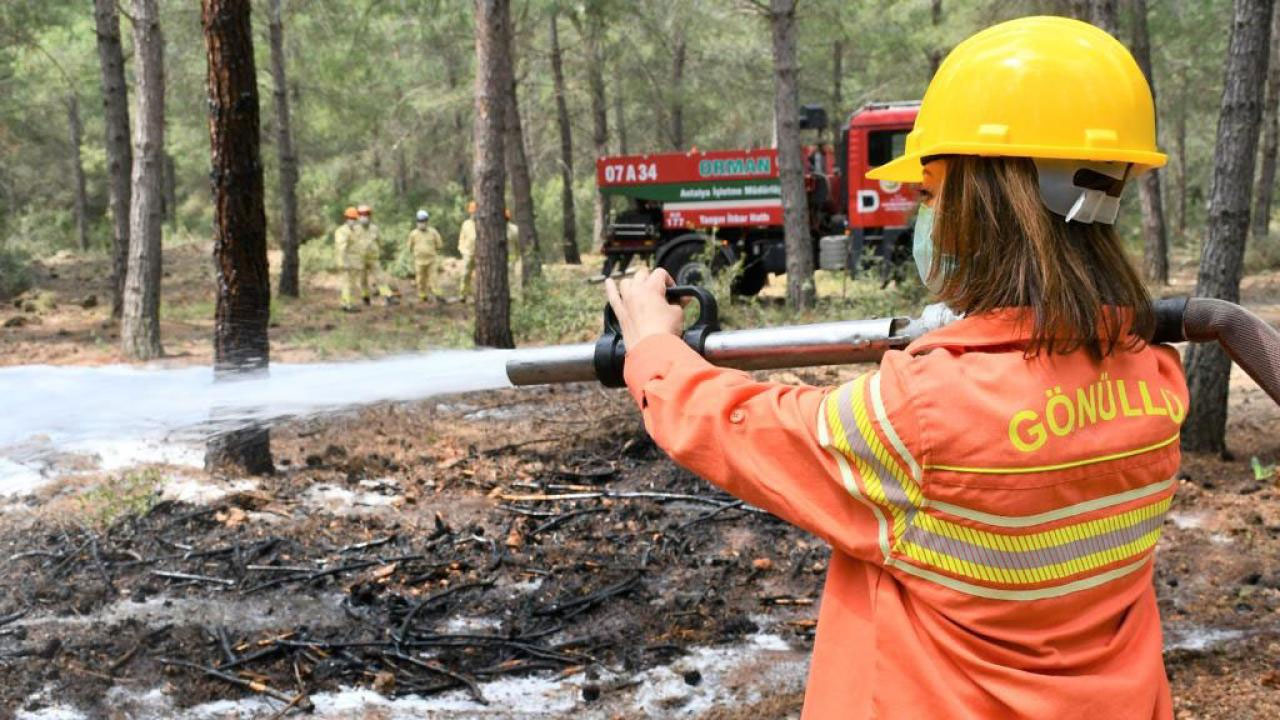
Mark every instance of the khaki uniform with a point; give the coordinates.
(467, 247)
(367, 252)
(346, 257)
(425, 243)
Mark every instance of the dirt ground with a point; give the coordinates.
(513, 536)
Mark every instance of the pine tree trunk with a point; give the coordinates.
(1180, 131)
(287, 156)
(170, 192)
(599, 115)
(1261, 226)
(1155, 237)
(1103, 14)
(493, 73)
(1208, 367)
(619, 114)
(679, 58)
(518, 170)
(140, 322)
(115, 103)
(76, 136)
(568, 214)
(935, 54)
(837, 77)
(795, 209)
(240, 343)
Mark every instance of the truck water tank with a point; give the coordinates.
(833, 252)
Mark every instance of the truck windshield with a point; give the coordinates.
(885, 145)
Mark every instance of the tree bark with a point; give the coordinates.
(493, 302)
(599, 115)
(837, 78)
(795, 209)
(1265, 187)
(936, 53)
(76, 136)
(518, 168)
(115, 103)
(620, 115)
(568, 213)
(140, 323)
(1103, 14)
(1208, 367)
(679, 58)
(1155, 237)
(170, 190)
(1180, 131)
(240, 342)
(287, 156)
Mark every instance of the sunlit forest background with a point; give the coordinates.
(382, 98)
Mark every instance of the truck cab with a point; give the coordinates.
(880, 212)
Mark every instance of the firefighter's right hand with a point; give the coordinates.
(640, 302)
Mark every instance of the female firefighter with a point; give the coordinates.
(993, 494)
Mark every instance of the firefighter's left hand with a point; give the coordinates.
(640, 302)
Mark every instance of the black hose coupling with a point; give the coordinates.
(611, 352)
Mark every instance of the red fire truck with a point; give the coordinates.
(697, 213)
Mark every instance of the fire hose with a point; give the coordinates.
(1247, 339)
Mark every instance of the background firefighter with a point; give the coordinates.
(346, 257)
(368, 242)
(424, 243)
(994, 493)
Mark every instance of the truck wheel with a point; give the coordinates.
(751, 280)
(686, 265)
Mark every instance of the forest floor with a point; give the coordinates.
(507, 554)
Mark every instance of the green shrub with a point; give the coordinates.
(1262, 256)
(317, 256)
(15, 272)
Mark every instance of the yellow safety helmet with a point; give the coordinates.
(1037, 87)
(350, 213)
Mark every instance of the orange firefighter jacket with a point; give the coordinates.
(992, 518)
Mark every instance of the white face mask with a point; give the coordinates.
(364, 221)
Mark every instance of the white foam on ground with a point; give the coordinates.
(761, 666)
(1186, 521)
(246, 614)
(1195, 637)
(341, 501)
(202, 491)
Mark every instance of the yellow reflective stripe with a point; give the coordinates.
(1051, 515)
(1047, 538)
(1050, 468)
(881, 453)
(1019, 576)
(877, 404)
(1022, 595)
(828, 414)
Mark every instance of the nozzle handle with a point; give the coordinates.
(611, 352)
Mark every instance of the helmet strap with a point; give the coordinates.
(1082, 191)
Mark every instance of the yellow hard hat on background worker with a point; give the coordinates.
(1038, 87)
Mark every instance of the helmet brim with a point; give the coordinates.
(908, 168)
(905, 168)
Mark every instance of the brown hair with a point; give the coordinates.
(1004, 249)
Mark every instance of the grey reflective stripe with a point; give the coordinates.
(1032, 557)
(893, 490)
